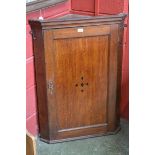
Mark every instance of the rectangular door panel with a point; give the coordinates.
(81, 82)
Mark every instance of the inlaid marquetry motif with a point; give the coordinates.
(82, 84)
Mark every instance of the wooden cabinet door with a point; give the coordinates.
(79, 67)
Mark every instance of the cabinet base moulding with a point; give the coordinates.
(81, 137)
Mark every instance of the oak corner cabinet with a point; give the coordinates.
(78, 63)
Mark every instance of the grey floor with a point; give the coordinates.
(106, 145)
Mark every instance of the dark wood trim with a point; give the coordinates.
(119, 66)
(40, 4)
(81, 19)
(77, 25)
(86, 21)
(81, 137)
(40, 70)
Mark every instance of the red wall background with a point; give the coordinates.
(90, 7)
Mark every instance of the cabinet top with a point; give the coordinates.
(74, 19)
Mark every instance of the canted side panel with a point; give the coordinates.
(113, 80)
(81, 84)
(40, 77)
(119, 74)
